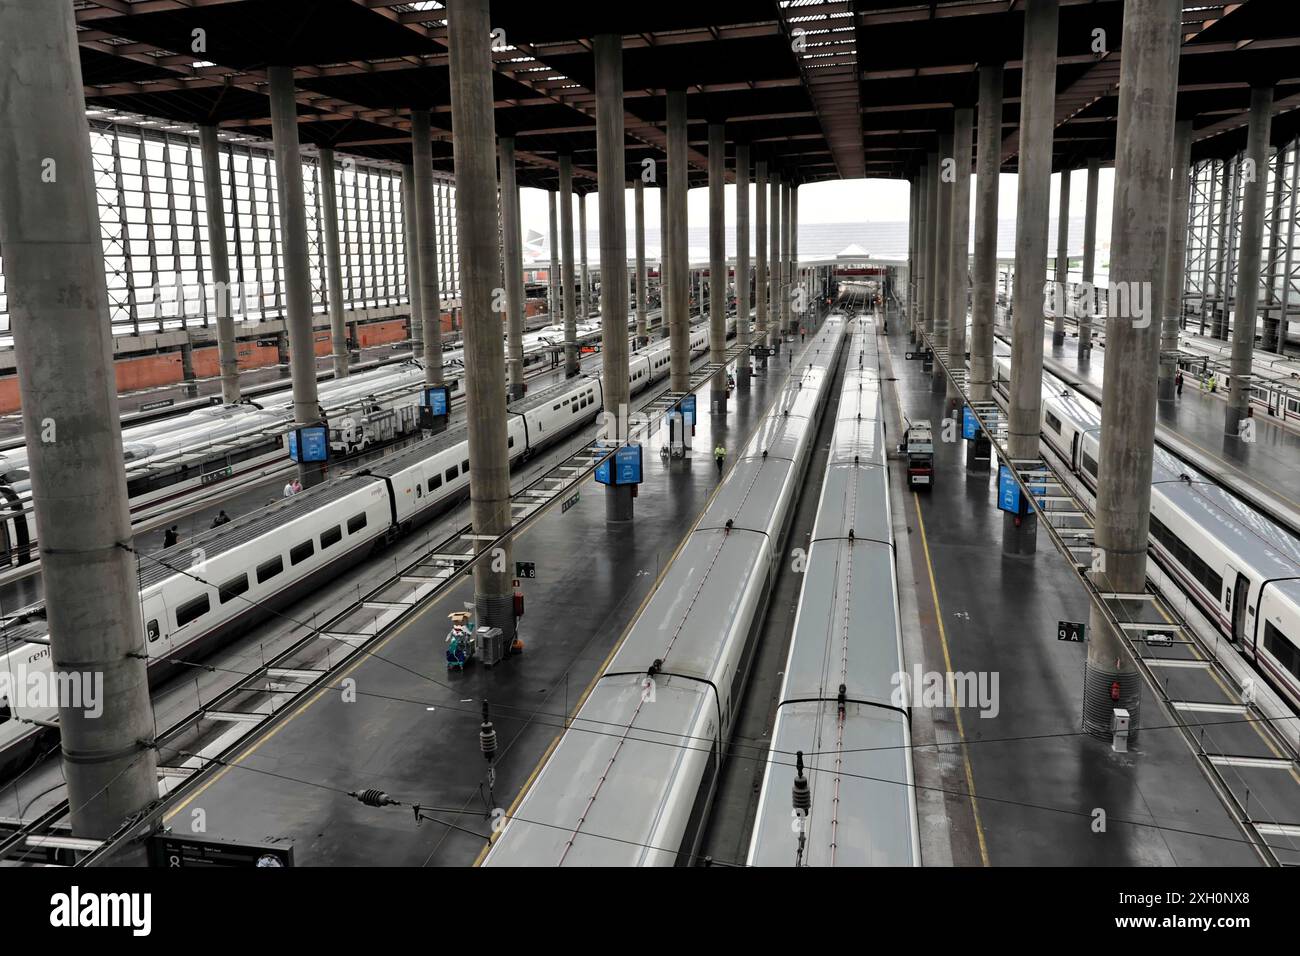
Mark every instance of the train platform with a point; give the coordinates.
(1011, 778)
(412, 730)
(1266, 465)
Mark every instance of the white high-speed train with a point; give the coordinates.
(840, 709)
(1240, 568)
(631, 781)
(265, 560)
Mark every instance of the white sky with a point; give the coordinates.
(858, 200)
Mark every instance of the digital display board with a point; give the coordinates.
(435, 398)
(1009, 497)
(688, 407)
(309, 443)
(970, 427)
(623, 469)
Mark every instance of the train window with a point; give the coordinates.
(464, 467)
(233, 588)
(269, 569)
(435, 482)
(356, 523)
(555, 407)
(1053, 423)
(1277, 644)
(152, 631)
(192, 610)
(450, 473)
(301, 552)
(1184, 555)
(510, 442)
(330, 536)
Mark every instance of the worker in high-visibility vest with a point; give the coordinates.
(720, 456)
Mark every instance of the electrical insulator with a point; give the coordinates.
(801, 796)
(374, 798)
(487, 736)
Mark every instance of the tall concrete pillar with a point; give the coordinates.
(679, 274)
(512, 247)
(921, 304)
(585, 278)
(1244, 317)
(783, 240)
(1033, 204)
(227, 351)
(293, 243)
(1219, 328)
(760, 255)
(468, 25)
(58, 302)
(1175, 254)
(797, 294)
(988, 162)
(1148, 89)
(663, 254)
(641, 291)
(1061, 294)
(943, 259)
(959, 259)
(553, 274)
(717, 265)
(1087, 282)
(426, 235)
(608, 49)
(777, 329)
(333, 265)
(566, 267)
(742, 260)
(1269, 336)
(933, 207)
(411, 246)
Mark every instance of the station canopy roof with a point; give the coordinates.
(822, 89)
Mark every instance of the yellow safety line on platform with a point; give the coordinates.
(947, 663)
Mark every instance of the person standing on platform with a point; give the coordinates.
(1178, 384)
(171, 536)
(220, 519)
(720, 456)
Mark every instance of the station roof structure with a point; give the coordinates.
(825, 89)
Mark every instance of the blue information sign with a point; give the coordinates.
(688, 407)
(310, 443)
(623, 469)
(1008, 491)
(970, 427)
(435, 397)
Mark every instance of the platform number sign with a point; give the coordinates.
(1071, 631)
(525, 569)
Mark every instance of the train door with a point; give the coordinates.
(1074, 451)
(1235, 598)
(157, 627)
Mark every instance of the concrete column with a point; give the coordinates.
(742, 260)
(920, 307)
(932, 206)
(553, 274)
(796, 277)
(585, 278)
(1061, 295)
(227, 351)
(774, 282)
(943, 261)
(512, 243)
(293, 242)
(1089, 300)
(333, 266)
(638, 189)
(566, 267)
(1219, 328)
(412, 252)
(1175, 255)
(1269, 336)
(1248, 259)
(783, 246)
(1143, 143)
(480, 268)
(665, 236)
(988, 162)
(717, 266)
(610, 167)
(427, 244)
(1033, 202)
(760, 256)
(959, 259)
(58, 301)
(679, 330)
